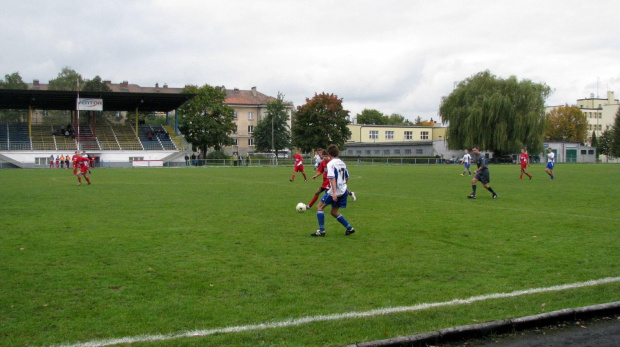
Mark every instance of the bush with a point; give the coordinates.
(217, 155)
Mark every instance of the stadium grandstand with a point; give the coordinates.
(31, 143)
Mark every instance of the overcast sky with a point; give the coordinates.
(394, 56)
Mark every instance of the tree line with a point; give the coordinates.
(499, 115)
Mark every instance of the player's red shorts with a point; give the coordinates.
(299, 168)
(523, 166)
(84, 169)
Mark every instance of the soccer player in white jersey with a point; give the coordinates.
(550, 162)
(337, 194)
(466, 162)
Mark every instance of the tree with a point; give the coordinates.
(13, 81)
(605, 142)
(615, 145)
(371, 117)
(205, 120)
(418, 120)
(498, 115)
(321, 121)
(67, 79)
(397, 119)
(96, 85)
(566, 123)
(272, 132)
(594, 143)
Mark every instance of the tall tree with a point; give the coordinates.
(205, 120)
(498, 115)
(615, 145)
(594, 143)
(67, 79)
(566, 123)
(272, 132)
(13, 81)
(371, 117)
(321, 121)
(606, 141)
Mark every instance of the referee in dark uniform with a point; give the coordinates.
(482, 174)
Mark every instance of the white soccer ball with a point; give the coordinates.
(301, 207)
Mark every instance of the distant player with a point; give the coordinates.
(466, 162)
(299, 166)
(524, 159)
(336, 195)
(550, 162)
(74, 162)
(84, 163)
(322, 170)
(318, 158)
(481, 174)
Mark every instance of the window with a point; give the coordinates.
(590, 151)
(41, 161)
(408, 135)
(250, 142)
(377, 152)
(386, 152)
(397, 151)
(135, 158)
(408, 151)
(589, 126)
(236, 142)
(235, 129)
(389, 135)
(359, 151)
(368, 151)
(250, 129)
(424, 135)
(235, 114)
(583, 152)
(418, 151)
(600, 127)
(250, 115)
(374, 134)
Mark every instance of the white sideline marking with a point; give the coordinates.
(323, 318)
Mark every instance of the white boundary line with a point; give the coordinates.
(323, 318)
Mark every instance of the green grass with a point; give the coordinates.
(163, 251)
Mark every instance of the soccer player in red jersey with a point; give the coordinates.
(524, 159)
(299, 166)
(74, 162)
(84, 162)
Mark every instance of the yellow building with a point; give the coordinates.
(392, 140)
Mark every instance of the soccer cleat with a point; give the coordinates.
(79, 184)
(290, 180)
(353, 196)
(349, 232)
(494, 196)
(305, 180)
(318, 233)
(462, 175)
(308, 207)
(471, 196)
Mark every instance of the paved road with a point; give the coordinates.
(595, 332)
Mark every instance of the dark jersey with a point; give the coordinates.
(482, 162)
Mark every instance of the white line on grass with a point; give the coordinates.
(349, 315)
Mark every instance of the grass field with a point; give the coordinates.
(159, 252)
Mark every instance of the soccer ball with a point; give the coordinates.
(301, 207)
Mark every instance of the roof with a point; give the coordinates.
(112, 101)
(246, 97)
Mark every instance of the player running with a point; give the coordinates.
(299, 166)
(525, 161)
(336, 195)
(84, 163)
(74, 162)
(322, 170)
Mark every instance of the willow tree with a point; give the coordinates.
(499, 115)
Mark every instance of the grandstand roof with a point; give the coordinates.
(112, 101)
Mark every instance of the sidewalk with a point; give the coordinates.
(591, 326)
